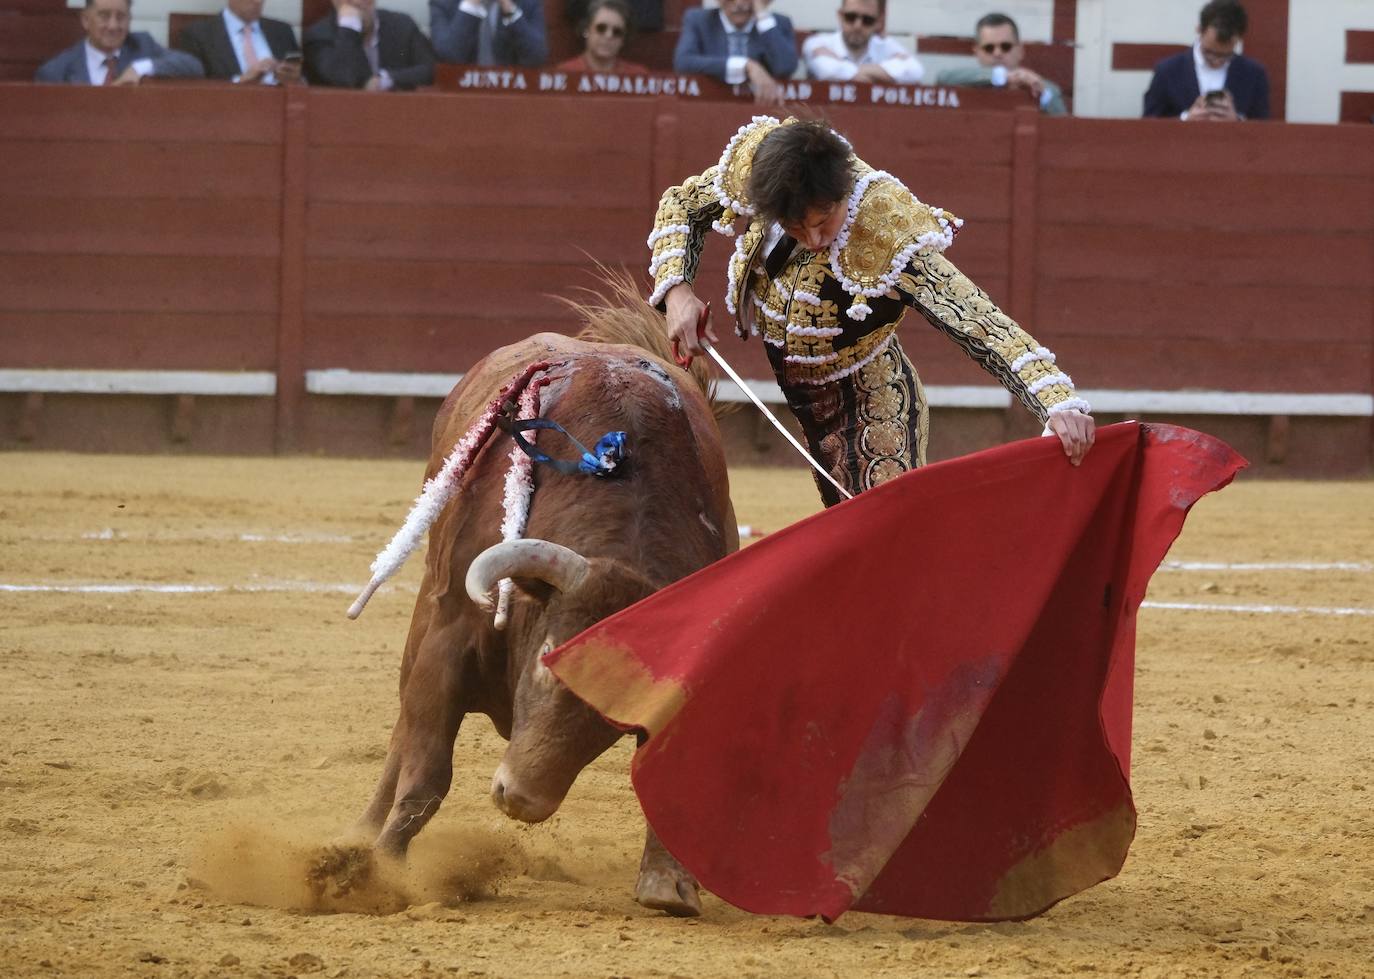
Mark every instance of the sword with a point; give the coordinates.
(748, 392)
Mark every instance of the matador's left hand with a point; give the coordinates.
(1076, 432)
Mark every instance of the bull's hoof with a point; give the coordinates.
(673, 891)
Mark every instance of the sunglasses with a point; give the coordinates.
(1004, 47)
(615, 30)
(854, 17)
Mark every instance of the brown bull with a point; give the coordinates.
(610, 543)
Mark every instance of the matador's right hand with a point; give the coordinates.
(684, 313)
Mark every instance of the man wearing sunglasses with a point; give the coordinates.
(859, 51)
(998, 48)
(1213, 82)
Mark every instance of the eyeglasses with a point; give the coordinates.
(1003, 46)
(615, 30)
(854, 17)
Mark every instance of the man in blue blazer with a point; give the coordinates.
(110, 55)
(241, 45)
(489, 32)
(742, 41)
(1213, 82)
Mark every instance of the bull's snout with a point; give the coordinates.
(517, 803)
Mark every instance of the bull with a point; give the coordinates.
(592, 547)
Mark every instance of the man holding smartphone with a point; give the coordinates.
(242, 46)
(1213, 82)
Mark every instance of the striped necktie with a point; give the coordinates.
(110, 62)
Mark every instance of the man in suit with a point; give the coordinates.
(1213, 82)
(110, 55)
(742, 41)
(243, 46)
(489, 32)
(359, 46)
(998, 49)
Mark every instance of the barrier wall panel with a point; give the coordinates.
(64, 167)
(1207, 363)
(479, 290)
(1202, 256)
(1281, 309)
(428, 344)
(480, 125)
(190, 112)
(139, 226)
(120, 340)
(587, 179)
(1327, 204)
(530, 236)
(1160, 146)
(115, 284)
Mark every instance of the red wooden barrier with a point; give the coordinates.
(212, 228)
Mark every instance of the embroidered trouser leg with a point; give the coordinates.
(866, 428)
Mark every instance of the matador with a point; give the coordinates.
(825, 277)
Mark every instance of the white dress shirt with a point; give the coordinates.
(479, 9)
(260, 46)
(840, 65)
(95, 64)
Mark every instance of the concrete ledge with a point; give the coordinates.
(233, 383)
(417, 385)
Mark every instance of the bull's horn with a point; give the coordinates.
(560, 566)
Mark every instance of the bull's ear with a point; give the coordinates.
(533, 589)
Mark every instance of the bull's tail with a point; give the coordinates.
(617, 313)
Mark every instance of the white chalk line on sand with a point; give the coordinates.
(131, 588)
(1363, 566)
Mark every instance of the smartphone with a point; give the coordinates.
(1216, 96)
(292, 58)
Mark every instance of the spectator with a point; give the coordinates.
(998, 48)
(359, 46)
(742, 41)
(858, 51)
(489, 32)
(1214, 82)
(110, 55)
(605, 29)
(645, 15)
(243, 46)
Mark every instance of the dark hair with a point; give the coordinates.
(1226, 16)
(799, 167)
(882, 7)
(996, 20)
(614, 6)
(128, 4)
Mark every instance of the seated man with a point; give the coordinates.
(1213, 82)
(243, 46)
(858, 51)
(110, 55)
(359, 46)
(489, 32)
(742, 41)
(998, 48)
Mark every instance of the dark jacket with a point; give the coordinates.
(703, 49)
(523, 42)
(1173, 89)
(208, 39)
(69, 67)
(334, 55)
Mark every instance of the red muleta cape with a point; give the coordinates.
(917, 702)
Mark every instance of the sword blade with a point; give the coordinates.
(715, 355)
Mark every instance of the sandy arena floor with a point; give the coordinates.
(172, 758)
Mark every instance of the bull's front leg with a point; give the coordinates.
(419, 765)
(664, 884)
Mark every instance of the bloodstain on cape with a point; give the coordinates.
(917, 702)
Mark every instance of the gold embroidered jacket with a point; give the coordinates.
(825, 315)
